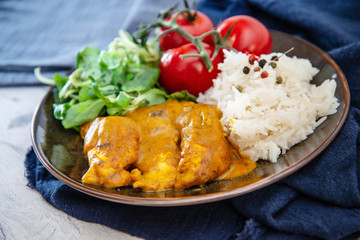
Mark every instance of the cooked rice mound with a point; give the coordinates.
(266, 116)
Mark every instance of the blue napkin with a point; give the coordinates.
(320, 201)
(49, 34)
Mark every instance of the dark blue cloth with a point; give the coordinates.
(320, 201)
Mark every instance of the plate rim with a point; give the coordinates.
(208, 197)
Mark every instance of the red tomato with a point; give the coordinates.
(200, 25)
(247, 35)
(189, 73)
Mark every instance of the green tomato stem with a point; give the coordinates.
(172, 26)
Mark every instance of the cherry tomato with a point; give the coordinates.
(247, 35)
(189, 73)
(201, 24)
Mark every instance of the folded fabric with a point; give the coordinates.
(49, 34)
(320, 201)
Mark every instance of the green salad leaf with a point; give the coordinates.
(82, 112)
(145, 79)
(111, 82)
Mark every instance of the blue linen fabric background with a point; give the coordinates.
(320, 201)
(49, 34)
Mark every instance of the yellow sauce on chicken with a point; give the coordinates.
(174, 145)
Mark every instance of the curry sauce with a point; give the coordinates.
(174, 145)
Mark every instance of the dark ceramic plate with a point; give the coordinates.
(61, 151)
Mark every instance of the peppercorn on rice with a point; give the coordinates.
(269, 103)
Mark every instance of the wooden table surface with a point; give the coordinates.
(24, 214)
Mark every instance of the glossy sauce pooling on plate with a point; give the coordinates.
(174, 145)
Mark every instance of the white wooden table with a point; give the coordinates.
(24, 214)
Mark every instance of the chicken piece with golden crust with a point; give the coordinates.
(111, 144)
(205, 151)
(159, 153)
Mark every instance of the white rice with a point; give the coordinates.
(262, 117)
